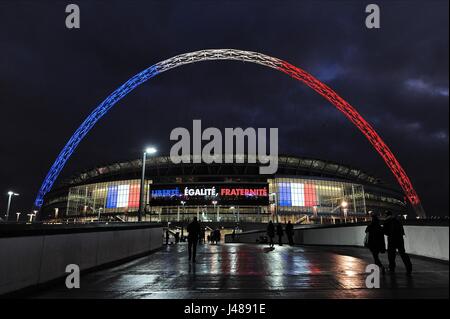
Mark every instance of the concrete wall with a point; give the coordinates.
(427, 241)
(32, 260)
(346, 236)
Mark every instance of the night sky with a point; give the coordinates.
(52, 77)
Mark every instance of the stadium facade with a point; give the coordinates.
(302, 189)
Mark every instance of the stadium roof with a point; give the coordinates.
(287, 165)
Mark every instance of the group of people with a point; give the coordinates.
(375, 233)
(393, 230)
(278, 230)
(214, 237)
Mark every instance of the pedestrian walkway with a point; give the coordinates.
(254, 271)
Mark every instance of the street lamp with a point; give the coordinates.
(214, 202)
(10, 195)
(149, 151)
(182, 223)
(232, 208)
(275, 205)
(344, 205)
(99, 213)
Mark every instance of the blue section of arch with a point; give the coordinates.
(86, 126)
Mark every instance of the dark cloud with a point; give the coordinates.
(397, 77)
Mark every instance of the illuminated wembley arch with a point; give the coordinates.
(238, 55)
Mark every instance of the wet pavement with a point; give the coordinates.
(253, 271)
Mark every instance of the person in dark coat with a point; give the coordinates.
(290, 233)
(217, 236)
(194, 231)
(280, 234)
(167, 236)
(375, 241)
(271, 233)
(394, 231)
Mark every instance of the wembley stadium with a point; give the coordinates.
(303, 190)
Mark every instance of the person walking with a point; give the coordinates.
(375, 241)
(193, 232)
(215, 236)
(280, 234)
(290, 233)
(271, 233)
(201, 235)
(394, 231)
(218, 236)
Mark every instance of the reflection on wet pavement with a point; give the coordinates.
(254, 271)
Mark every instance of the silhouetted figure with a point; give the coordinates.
(194, 231)
(177, 237)
(271, 233)
(290, 233)
(375, 241)
(167, 237)
(280, 234)
(233, 234)
(216, 235)
(203, 235)
(394, 231)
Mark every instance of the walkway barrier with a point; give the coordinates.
(420, 240)
(31, 255)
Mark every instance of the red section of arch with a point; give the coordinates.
(353, 115)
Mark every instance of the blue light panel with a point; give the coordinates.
(284, 194)
(111, 198)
